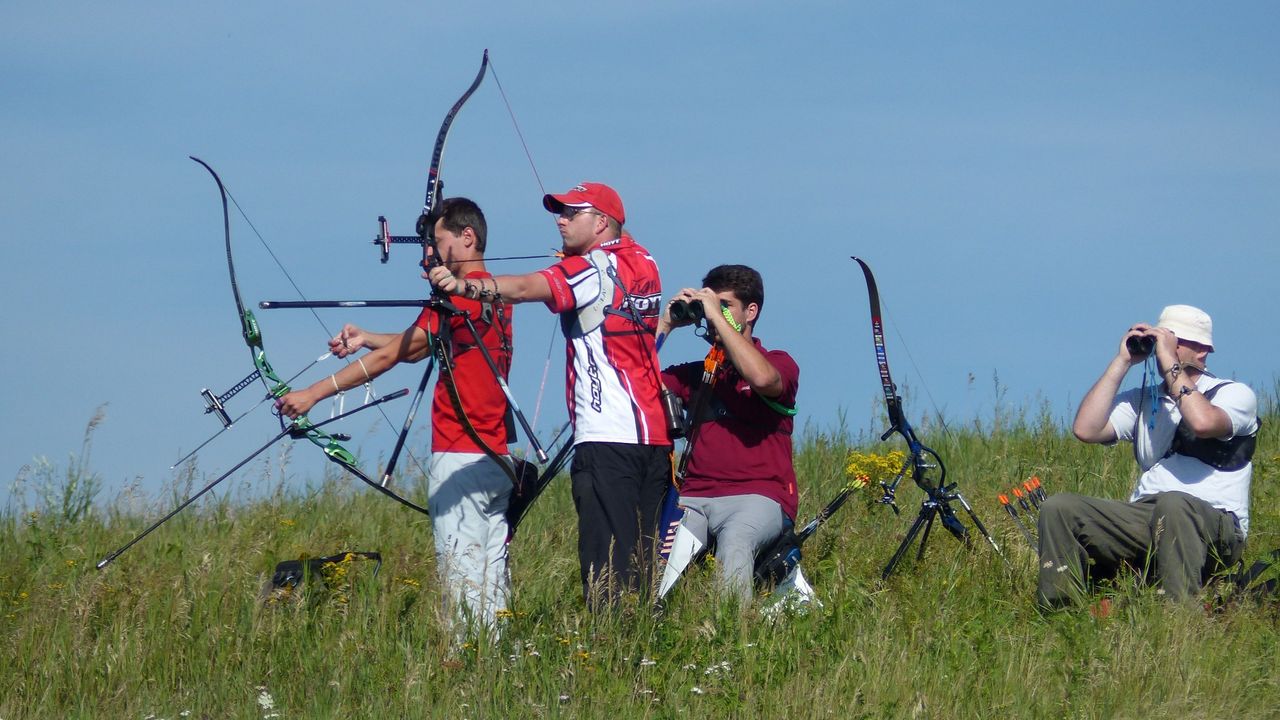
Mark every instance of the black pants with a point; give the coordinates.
(617, 490)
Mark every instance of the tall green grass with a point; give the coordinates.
(177, 626)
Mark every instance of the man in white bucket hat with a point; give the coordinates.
(1193, 437)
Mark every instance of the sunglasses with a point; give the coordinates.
(569, 213)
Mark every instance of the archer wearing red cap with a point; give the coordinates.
(608, 295)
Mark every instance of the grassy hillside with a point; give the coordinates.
(176, 627)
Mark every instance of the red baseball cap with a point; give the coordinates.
(597, 195)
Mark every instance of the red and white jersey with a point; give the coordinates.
(612, 375)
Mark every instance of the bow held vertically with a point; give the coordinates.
(426, 223)
(921, 461)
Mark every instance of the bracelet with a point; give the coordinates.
(469, 290)
(484, 292)
(1182, 393)
(367, 379)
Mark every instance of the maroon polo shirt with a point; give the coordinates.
(744, 446)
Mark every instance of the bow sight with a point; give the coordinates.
(384, 239)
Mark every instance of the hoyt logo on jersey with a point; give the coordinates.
(645, 304)
(597, 391)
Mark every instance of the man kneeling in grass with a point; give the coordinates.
(740, 484)
(1193, 436)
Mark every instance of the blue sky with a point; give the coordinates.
(1025, 179)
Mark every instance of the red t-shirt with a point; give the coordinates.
(611, 377)
(744, 446)
(482, 399)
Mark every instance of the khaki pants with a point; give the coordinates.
(467, 495)
(1177, 539)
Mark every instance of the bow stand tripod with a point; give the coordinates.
(920, 462)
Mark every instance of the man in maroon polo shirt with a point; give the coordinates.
(739, 486)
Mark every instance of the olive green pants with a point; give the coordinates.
(1175, 539)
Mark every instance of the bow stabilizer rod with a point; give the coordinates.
(288, 431)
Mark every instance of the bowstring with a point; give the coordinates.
(537, 405)
(942, 421)
(323, 326)
(515, 124)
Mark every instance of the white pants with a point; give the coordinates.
(741, 526)
(467, 497)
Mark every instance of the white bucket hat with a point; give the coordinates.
(1188, 323)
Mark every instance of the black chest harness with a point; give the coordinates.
(1228, 455)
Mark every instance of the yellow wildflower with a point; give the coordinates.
(866, 469)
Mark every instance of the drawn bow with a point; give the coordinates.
(442, 343)
(301, 427)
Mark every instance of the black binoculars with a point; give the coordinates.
(682, 311)
(1140, 346)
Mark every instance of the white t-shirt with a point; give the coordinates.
(1227, 490)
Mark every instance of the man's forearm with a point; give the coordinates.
(373, 341)
(1093, 418)
(532, 287)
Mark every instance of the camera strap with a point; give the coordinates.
(710, 372)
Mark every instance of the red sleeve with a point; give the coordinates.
(680, 379)
(428, 321)
(561, 278)
(790, 372)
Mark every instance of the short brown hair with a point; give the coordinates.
(458, 214)
(744, 282)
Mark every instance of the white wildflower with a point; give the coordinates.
(265, 701)
(697, 690)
